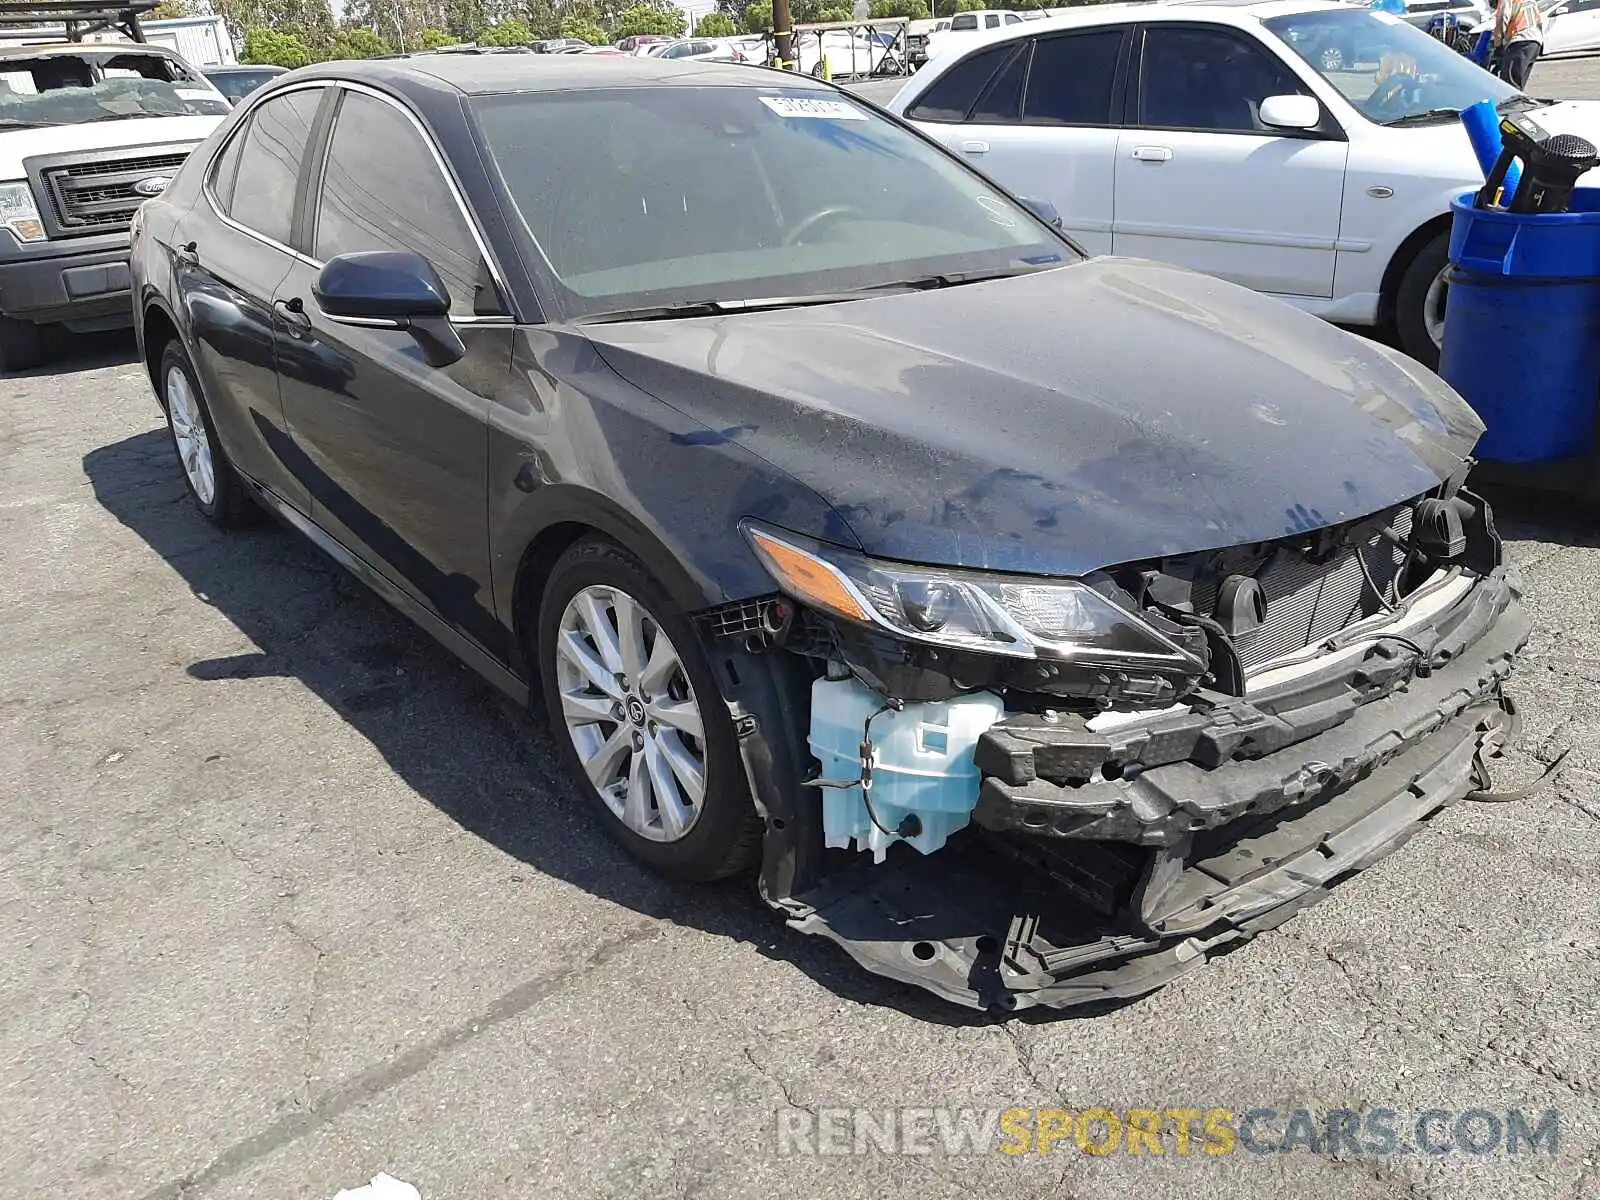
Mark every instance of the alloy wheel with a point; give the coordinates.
(189, 432)
(631, 713)
(1332, 58)
(1433, 306)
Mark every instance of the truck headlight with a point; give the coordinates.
(1017, 616)
(19, 213)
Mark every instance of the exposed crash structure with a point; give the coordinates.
(1101, 782)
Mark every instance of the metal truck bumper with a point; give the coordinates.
(85, 291)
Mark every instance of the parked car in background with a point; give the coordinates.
(638, 43)
(1572, 27)
(238, 82)
(1167, 598)
(560, 46)
(966, 28)
(1271, 144)
(88, 131)
(710, 49)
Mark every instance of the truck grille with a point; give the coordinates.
(98, 196)
(1309, 601)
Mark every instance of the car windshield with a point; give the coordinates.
(1392, 72)
(72, 89)
(657, 196)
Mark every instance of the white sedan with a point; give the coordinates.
(1302, 148)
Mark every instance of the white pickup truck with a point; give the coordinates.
(88, 132)
(967, 28)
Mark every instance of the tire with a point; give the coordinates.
(20, 348)
(1417, 296)
(722, 833)
(194, 441)
(1331, 57)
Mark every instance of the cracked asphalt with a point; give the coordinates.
(288, 898)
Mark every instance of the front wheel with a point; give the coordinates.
(1420, 302)
(641, 724)
(20, 349)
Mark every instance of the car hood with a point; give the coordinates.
(19, 144)
(1105, 412)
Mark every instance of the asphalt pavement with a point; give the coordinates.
(288, 898)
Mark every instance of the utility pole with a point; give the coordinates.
(783, 34)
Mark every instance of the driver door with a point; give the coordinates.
(1202, 183)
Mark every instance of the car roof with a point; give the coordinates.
(491, 73)
(1228, 12)
(22, 50)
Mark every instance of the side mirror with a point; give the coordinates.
(390, 285)
(1291, 112)
(392, 289)
(1044, 210)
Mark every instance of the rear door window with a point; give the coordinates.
(1001, 101)
(1071, 80)
(271, 154)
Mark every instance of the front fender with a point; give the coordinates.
(572, 444)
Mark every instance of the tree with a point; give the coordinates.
(715, 25)
(506, 33)
(912, 10)
(645, 18)
(356, 43)
(432, 39)
(584, 31)
(275, 47)
(168, 9)
(758, 16)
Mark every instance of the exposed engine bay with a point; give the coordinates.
(1034, 791)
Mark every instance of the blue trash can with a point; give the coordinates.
(1522, 327)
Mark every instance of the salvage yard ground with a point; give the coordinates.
(288, 897)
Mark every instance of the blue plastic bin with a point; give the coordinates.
(1522, 327)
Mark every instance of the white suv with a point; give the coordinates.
(1299, 147)
(968, 28)
(88, 132)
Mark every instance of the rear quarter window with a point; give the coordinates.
(952, 95)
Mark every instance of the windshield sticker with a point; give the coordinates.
(827, 110)
(196, 94)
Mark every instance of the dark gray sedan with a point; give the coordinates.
(1038, 625)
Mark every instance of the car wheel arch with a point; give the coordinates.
(159, 328)
(1402, 259)
(568, 516)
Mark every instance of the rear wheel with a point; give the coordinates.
(20, 348)
(641, 724)
(215, 488)
(1420, 302)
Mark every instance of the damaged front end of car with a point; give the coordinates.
(1064, 791)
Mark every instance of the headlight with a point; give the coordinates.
(19, 213)
(1017, 616)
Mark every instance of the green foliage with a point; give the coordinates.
(506, 33)
(914, 10)
(647, 18)
(715, 25)
(432, 39)
(758, 16)
(275, 47)
(584, 31)
(812, 12)
(356, 43)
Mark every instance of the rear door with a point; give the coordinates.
(231, 252)
(1037, 114)
(1202, 182)
(394, 451)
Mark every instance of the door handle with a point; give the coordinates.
(1155, 154)
(292, 312)
(187, 255)
(974, 147)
